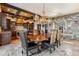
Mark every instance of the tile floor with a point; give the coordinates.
(67, 48)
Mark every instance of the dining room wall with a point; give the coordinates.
(70, 24)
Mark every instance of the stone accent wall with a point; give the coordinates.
(70, 24)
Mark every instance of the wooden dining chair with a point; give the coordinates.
(58, 38)
(27, 46)
(53, 38)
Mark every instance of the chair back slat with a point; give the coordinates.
(23, 39)
(53, 37)
(58, 35)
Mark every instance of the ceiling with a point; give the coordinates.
(51, 9)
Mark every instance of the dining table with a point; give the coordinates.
(38, 38)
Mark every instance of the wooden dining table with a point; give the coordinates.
(37, 38)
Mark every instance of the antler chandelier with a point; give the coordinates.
(43, 19)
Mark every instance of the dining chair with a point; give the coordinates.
(53, 38)
(50, 42)
(58, 38)
(27, 46)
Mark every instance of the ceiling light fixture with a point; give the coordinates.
(43, 19)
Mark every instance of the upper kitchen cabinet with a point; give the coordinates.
(25, 14)
(7, 9)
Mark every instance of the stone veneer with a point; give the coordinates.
(70, 24)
